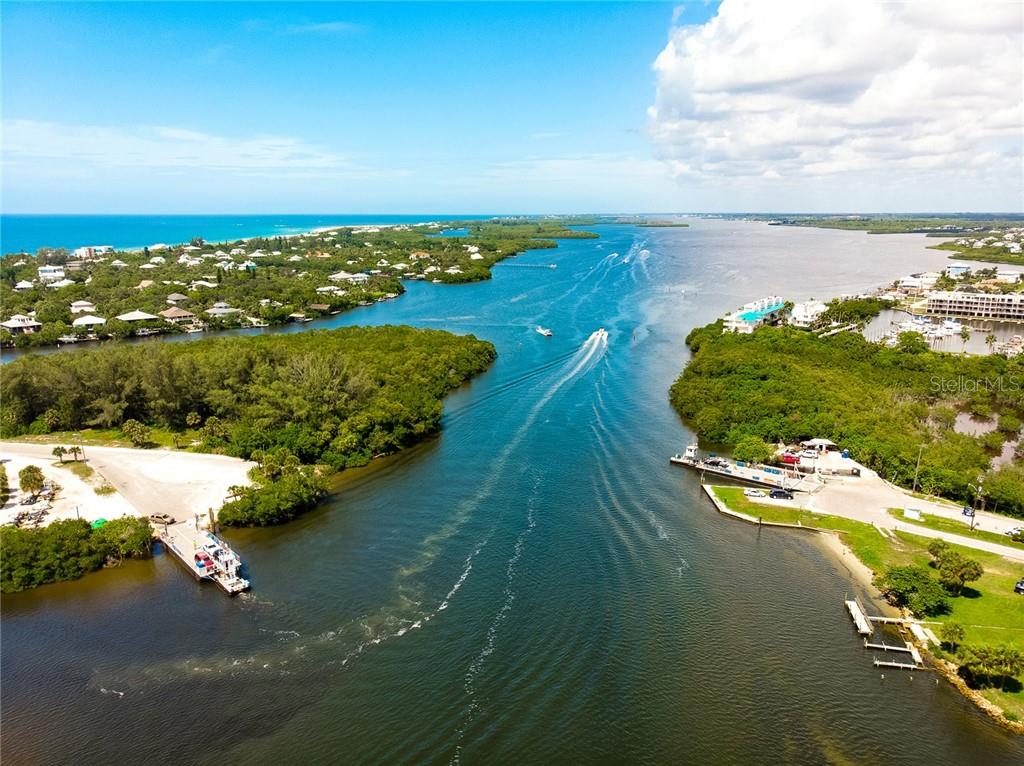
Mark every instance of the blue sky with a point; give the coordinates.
(395, 107)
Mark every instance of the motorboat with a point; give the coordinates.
(544, 331)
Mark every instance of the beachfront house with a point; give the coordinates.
(176, 315)
(89, 322)
(51, 273)
(805, 314)
(83, 307)
(750, 316)
(136, 316)
(19, 324)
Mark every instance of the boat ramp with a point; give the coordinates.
(204, 555)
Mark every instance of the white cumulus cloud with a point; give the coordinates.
(828, 90)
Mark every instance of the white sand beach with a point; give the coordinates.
(180, 484)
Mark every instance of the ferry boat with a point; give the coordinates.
(206, 556)
(544, 331)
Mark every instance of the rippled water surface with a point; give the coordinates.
(536, 584)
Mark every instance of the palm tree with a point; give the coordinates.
(59, 453)
(965, 335)
(77, 452)
(990, 341)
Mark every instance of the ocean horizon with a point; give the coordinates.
(27, 232)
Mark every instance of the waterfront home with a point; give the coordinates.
(19, 324)
(175, 298)
(750, 316)
(89, 321)
(321, 307)
(220, 309)
(957, 271)
(23, 285)
(176, 315)
(82, 307)
(136, 316)
(61, 283)
(805, 314)
(346, 277)
(453, 270)
(51, 273)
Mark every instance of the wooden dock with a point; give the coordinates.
(897, 665)
(862, 622)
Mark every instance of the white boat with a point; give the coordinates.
(544, 331)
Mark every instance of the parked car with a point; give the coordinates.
(1019, 587)
(809, 453)
(753, 493)
(781, 494)
(967, 511)
(1014, 531)
(161, 518)
(789, 457)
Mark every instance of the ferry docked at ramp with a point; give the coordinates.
(205, 555)
(737, 470)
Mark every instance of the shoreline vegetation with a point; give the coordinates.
(895, 410)
(985, 614)
(936, 225)
(301, 406)
(94, 294)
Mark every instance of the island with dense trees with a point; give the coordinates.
(57, 296)
(888, 406)
(301, 405)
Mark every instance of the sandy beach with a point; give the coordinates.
(180, 484)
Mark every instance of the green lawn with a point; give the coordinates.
(990, 612)
(108, 437)
(78, 468)
(943, 524)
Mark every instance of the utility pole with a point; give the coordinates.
(918, 469)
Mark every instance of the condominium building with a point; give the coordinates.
(980, 305)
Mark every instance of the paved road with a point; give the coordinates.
(868, 499)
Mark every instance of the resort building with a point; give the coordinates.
(749, 317)
(91, 251)
(805, 314)
(51, 273)
(980, 305)
(19, 324)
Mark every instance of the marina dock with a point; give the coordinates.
(864, 626)
(204, 555)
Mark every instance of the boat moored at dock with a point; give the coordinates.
(749, 473)
(205, 555)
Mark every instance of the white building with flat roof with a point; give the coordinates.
(805, 314)
(51, 273)
(750, 316)
(980, 305)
